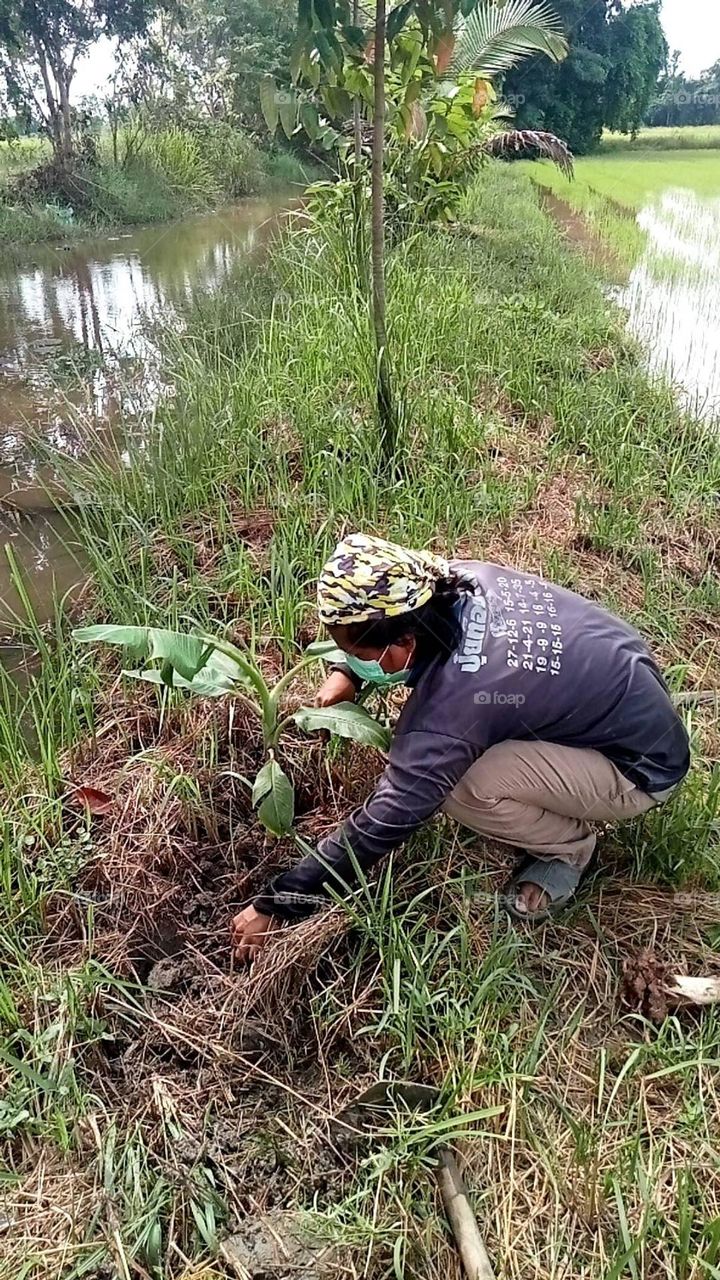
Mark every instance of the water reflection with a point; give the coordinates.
(76, 352)
(97, 295)
(44, 549)
(673, 296)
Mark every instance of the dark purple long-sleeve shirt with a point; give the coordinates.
(533, 661)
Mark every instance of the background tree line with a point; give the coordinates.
(681, 100)
(176, 128)
(208, 58)
(617, 51)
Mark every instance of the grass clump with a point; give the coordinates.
(34, 222)
(201, 1099)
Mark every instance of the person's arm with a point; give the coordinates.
(341, 685)
(423, 769)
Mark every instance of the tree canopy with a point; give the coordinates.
(683, 101)
(40, 44)
(617, 52)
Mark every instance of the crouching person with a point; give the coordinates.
(533, 713)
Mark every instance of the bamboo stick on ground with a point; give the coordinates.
(691, 990)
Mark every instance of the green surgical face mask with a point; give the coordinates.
(373, 672)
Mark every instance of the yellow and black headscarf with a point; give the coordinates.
(368, 578)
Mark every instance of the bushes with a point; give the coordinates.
(285, 168)
(34, 222)
(176, 156)
(131, 196)
(90, 198)
(209, 161)
(150, 175)
(240, 168)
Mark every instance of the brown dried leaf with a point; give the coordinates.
(92, 799)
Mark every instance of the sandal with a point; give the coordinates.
(558, 879)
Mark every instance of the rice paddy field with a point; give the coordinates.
(160, 1109)
(652, 217)
(629, 178)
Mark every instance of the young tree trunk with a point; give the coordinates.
(56, 78)
(386, 411)
(359, 203)
(357, 126)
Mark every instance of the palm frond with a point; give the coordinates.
(500, 110)
(517, 141)
(493, 38)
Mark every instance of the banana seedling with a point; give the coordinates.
(211, 667)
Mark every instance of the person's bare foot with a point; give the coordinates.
(530, 898)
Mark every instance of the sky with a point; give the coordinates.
(692, 26)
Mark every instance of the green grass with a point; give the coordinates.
(632, 179)
(530, 433)
(692, 137)
(34, 223)
(21, 157)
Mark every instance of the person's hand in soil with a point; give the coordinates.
(250, 930)
(337, 688)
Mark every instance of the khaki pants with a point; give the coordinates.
(543, 797)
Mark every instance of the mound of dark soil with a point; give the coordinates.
(644, 985)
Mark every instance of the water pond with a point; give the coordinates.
(77, 362)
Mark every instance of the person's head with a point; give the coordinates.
(388, 606)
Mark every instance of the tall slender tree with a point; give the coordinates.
(335, 44)
(387, 412)
(41, 42)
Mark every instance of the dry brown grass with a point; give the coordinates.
(250, 1071)
(43, 1218)
(568, 1131)
(204, 542)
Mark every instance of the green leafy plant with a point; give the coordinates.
(444, 116)
(211, 667)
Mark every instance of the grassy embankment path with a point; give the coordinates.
(140, 1127)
